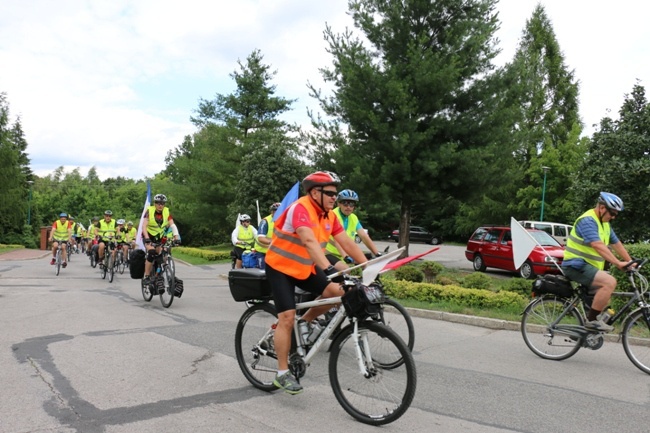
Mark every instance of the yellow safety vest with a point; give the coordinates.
(258, 246)
(245, 235)
(61, 230)
(350, 230)
(577, 248)
(153, 227)
(105, 228)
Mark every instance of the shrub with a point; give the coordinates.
(205, 254)
(409, 273)
(431, 270)
(446, 281)
(519, 285)
(477, 281)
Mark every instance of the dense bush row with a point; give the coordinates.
(205, 254)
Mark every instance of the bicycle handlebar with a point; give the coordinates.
(638, 262)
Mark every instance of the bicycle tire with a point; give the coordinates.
(379, 396)
(93, 259)
(121, 266)
(258, 367)
(167, 296)
(545, 342)
(111, 267)
(147, 294)
(396, 317)
(636, 340)
(171, 264)
(57, 263)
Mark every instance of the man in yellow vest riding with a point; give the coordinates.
(264, 234)
(61, 233)
(155, 223)
(243, 239)
(588, 247)
(347, 202)
(106, 232)
(296, 257)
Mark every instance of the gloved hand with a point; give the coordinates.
(330, 270)
(348, 259)
(379, 254)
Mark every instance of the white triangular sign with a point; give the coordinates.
(522, 243)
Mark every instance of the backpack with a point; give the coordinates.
(249, 259)
(136, 264)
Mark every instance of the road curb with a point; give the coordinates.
(464, 319)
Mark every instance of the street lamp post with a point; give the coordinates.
(541, 214)
(29, 203)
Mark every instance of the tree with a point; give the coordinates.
(618, 161)
(547, 126)
(422, 114)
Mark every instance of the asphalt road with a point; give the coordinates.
(80, 354)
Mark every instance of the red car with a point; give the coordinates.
(491, 247)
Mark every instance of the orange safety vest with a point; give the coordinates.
(287, 253)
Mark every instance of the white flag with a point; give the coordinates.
(522, 243)
(138, 237)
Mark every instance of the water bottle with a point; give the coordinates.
(606, 315)
(303, 330)
(316, 329)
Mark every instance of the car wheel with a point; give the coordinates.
(435, 240)
(478, 263)
(526, 271)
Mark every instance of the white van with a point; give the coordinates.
(559, 231)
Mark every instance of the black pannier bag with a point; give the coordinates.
(136, 264)
(178, 287)
(557, 285)
(363, 301)
(249, 285)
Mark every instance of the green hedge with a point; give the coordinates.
(204, 254)
(479, 298)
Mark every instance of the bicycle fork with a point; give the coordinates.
(362, 347)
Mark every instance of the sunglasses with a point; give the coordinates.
(329, 193)
(160, 202)
(612, 213)
(347, 203)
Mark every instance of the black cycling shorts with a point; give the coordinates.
(284, 286)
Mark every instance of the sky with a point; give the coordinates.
(112, 84)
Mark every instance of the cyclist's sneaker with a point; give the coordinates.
(64, 264)
(599, 325)
(288, 383)
(53, 261)
(146, 280)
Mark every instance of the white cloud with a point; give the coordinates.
(112, 84)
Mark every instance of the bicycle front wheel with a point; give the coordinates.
(636, 339)
(547, 337)
(121, 265)
(57, 264)
(111, 267)
(375, 395)
(254, 345)
(147, 291)
(166, 295)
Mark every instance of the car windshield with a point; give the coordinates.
(544, 239)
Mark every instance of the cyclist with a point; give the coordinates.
(157, 219)
(76, 234)
(587, 249)
(243, 238)
(120, 236)
(131, 233)
(106, 232)
(91, 237)
(296, 257)
(61, 232)
(347, 202)
(263, 238)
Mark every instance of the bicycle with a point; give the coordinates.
(120, 261)
(108, 264)
(57, 259)
(372, 371)
(163, 281)
(553, 328)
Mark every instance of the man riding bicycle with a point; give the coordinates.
(106, 231)
(157, 219)
(587, 249)
(61, 233)
(243, 238)
(296, 257)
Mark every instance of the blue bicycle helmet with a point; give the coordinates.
(611, 201)
(63, 215)
(349, 195)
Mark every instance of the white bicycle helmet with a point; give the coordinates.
(244, 217)
(120, 221)
(160, 197)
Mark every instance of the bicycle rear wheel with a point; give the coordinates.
(166, 295)
(395, 316)
(636, 339)
(254, 345)
(377, 395)
(544, 339)
(147, 291)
